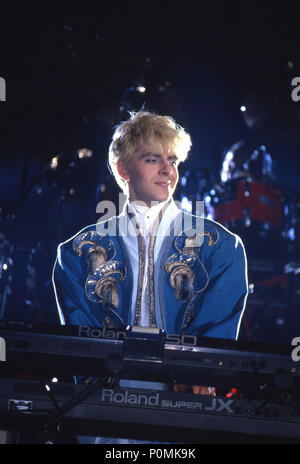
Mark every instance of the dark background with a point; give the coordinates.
(71, 75)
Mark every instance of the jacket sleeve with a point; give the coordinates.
(69, 283)
(220, 308)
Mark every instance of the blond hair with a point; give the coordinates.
(149, 129)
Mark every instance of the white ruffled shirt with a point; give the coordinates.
(145, 218)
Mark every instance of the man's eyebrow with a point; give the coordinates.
(157, 155)
(144, 155)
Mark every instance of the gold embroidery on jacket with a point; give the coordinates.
(101, 286)
(141, 245)
(180, 267)
(151, 271)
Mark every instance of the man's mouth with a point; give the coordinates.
(163, 183)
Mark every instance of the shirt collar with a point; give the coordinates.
(144, 211)
(146, 216)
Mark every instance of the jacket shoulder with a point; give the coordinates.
(69, 242)
(213, 231)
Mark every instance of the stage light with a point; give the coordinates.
(228, 163)
(54, 380)
(4, 267)
(183, 181)
(292, 268)
(243, 108)
(291, 234)
(141, 89)
(54, 162)
(251, 288)
(84, 153)
(186, 204)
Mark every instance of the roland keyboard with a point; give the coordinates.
(145, 414)
(145, 355)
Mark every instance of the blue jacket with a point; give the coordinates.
(198, 290)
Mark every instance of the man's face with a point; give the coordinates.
(152, 175)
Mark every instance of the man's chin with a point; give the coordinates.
(162, 199)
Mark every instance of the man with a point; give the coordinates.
(153, 265)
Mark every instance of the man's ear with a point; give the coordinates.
(122, 170)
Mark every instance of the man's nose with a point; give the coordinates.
(165, 167)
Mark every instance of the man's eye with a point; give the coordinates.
(151, 160)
